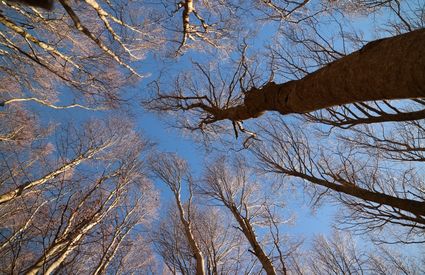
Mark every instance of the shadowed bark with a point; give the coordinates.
(45, 4)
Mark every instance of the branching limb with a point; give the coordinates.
(190, 30)
(89, 34)
(48, 104)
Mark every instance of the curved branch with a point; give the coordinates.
(46, 103)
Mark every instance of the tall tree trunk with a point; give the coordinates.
(249, 233)
(390, 68)
(197, 253)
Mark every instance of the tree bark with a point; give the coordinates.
(67, 243)
(415, 207)
(390, 68)
(197, 253)
(250, 235)
(45, 4)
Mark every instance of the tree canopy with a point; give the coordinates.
(313, 101)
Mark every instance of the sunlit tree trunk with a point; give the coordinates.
(249, 233)
(69, 240)
(200, 269)
(173, 171)
(12, 194)
(391, 68)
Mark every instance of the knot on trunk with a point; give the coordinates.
(256, 99)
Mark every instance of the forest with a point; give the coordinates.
(212, 137)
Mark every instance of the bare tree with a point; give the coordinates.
(171, 244)
(77, 205)
(375, 172)
(338, 83)
(385, 260)
(340, 254)
(87, 145)
(174, 172)
(52, 224)
(238, 192)
(317, 66)
(87, 47)
(337, 255)
(377, 192)
(223, 245)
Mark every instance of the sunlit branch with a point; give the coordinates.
(46, 103)
(103, 15)
(10, 195)
(89, 34)
(33, 39)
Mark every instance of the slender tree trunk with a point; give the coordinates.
(67, 243)
(390, 68)
(107, 259)
(12, 194)
(200, 265)
(248, 231)
(120, 234)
